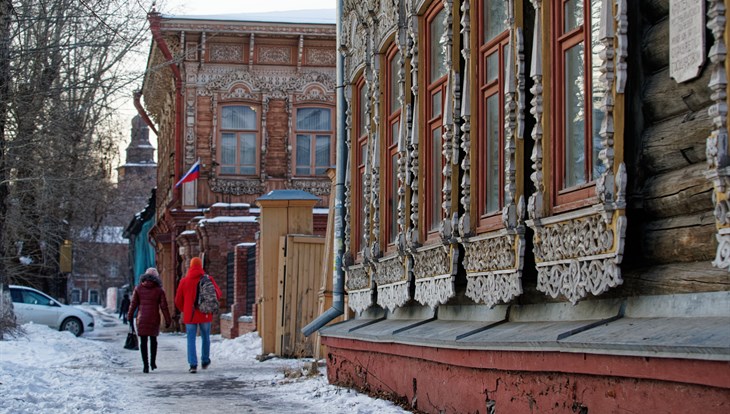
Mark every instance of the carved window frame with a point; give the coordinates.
(570, 197)
(313, 134)
(432, 211)
(489, 88)
(390, 137)
(257, 142)
(359, 155)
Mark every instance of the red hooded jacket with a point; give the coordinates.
(187, 290)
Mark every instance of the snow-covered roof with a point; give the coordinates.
(245, 244)
(229, 219)
(315, 16)
(232, 205)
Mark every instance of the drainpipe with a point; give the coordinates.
(338, 294)
(154, 19)
(142, 113)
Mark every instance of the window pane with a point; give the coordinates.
(248, 154)
(238, 117)
(574, 117)
(394, 93)
(394, 130)
(361, 212)
(493, 66)
(598, 89)
(362, 105)
(436, 104)
(436, 173)
(438, 59)
(492, 156)
(495, 15)
(322, 154)
(314, 119)
(393, 199)
(573, 14)
(228, 153)
(304, 154)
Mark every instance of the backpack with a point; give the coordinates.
(206, 299)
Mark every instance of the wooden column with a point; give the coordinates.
(282, 212)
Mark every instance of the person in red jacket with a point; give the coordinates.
(148, 299)
(193, 318)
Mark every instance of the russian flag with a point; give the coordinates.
(191, 175)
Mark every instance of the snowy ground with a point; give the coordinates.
(47, 371)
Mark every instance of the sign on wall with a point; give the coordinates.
(686, 39)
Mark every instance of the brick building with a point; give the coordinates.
(252, 99)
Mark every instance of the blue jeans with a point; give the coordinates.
(192, 331)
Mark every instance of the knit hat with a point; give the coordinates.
(152, 271)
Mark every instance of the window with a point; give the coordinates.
(359, 157)
(390, 138)
(436, 76)
(578, 94)
(314, 141)
(239, 140)
(493, 42)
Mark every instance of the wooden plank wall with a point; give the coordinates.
(298, 302)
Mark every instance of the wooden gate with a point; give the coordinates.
(300, 266)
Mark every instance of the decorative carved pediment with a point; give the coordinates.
(225, 52)
(236, 187)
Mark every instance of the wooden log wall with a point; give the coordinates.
(675, 213)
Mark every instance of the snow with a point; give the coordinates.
(55, 372)
(229, 219)
(315, 16)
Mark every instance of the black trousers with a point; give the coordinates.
(153, 349)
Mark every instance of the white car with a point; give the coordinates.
(31, 305)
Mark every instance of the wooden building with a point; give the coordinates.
(537, 204)
(252, 98)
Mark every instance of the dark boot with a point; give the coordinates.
(143, 349)
(153, 352)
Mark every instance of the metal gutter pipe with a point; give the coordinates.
(154, 19)
(338, 291)
(142, 112)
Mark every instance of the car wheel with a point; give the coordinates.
(73, 325)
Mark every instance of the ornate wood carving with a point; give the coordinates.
(717, 143)
(275, 55)
(493, 261)
(315, 56)
(432, 271)
(391, 281)
(464, 227)
(225, 52)
(316, 187)
(236, 187)
(578, 253)
(359, 291)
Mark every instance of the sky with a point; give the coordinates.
(47, 371)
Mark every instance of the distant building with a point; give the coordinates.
(101, 255)
(252, 98)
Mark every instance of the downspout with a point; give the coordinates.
(338, 294)
(142, 112)
(154, 19)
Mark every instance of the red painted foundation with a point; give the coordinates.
(439, 380)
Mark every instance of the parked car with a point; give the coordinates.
(35, 306)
